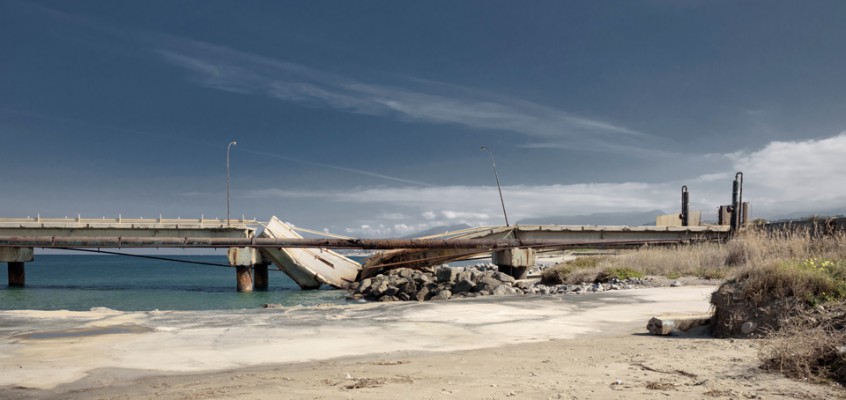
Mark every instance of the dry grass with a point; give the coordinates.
(779, 275)
(750, 250)
(705, 260)
(792, 287)
(809, 345)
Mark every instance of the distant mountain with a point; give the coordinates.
(438, 229)
(611, 218)
(806, 214)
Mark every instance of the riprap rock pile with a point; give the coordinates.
(446, 282)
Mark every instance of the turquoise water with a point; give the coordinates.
(80, 282)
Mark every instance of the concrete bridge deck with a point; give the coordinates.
(512, 248)
(128, 227)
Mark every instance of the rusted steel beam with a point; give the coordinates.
(383, 244)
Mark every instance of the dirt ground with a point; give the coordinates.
(635, 366)
(614, 360)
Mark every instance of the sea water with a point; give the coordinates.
(81, 282)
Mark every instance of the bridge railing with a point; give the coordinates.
(41, 222)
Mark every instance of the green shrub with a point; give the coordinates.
(555, 275)
(813, 280)
(621, 273)
(564, 272)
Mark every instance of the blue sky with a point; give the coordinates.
(366, 118)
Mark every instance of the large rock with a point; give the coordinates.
(504, 290)
(422, 279)
(488, 283)
(378, 288)
(464, 274)
(524, 285)
(463, 285)
(363, 286)
(423, 294)
(501, 276)
(447, 274)
(397, 281)
(392, 291)
(408, 290)
(442, 295)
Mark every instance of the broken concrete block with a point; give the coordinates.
(661, 327)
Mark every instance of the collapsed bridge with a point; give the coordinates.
(311, 262)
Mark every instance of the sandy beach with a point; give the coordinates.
(566, 346)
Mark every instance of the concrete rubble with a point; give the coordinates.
(445, 282)
(667, 325)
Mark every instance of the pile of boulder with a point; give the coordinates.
(447, 282)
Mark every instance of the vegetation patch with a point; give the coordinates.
(619, 273)
(791, 289)
(564, 272)
(762, 298)
(705, 260)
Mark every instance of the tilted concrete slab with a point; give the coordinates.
(309, 268)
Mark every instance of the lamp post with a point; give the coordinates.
(493, 163)
(229, 146)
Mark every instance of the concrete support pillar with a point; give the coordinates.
(260, 278)
(514, 262)
(515, 272)
(17, 274)
(244, 277)
(243, 259)
(16, 257)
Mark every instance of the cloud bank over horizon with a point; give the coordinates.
(779, 179)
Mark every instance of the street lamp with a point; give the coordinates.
(493, 163)
(229, 146)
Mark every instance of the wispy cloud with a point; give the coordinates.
(234, 71)
(635, 149)
(337, 167)
(413, 99)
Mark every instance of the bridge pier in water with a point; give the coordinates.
(250, 269)
(16, 257)
(260, 278)
(244, 278)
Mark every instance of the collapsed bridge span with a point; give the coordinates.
(311, 263)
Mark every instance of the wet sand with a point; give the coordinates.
(585, 346)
